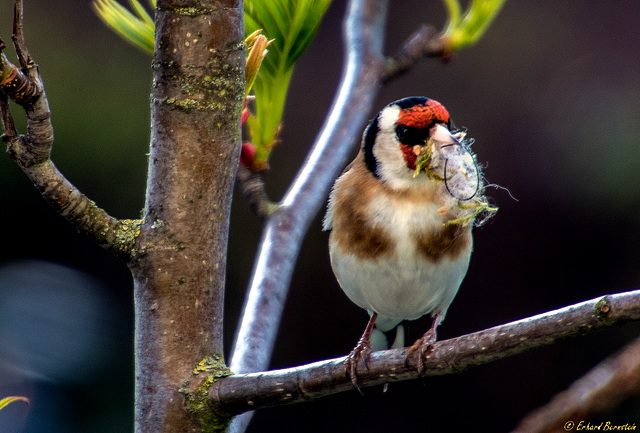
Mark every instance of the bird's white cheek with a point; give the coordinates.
(388, 118)
(392, 167)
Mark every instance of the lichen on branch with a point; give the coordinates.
(196, 393)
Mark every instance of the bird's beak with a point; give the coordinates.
(439, 136)
(442, 135)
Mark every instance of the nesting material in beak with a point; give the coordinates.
(448, 158)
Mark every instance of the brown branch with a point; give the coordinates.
(243, 392)
(14, 83)
(26, 62)
(608, 383)
(252, 186)
(117, 235)
(424, 42)
(32, 151)
(21, 88)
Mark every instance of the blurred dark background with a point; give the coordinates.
(551, 95)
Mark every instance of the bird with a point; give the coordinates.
(400, 219)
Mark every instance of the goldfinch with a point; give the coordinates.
(400, 218)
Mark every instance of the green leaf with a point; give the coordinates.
(142, 12)
(8, 400)
(256, 51)
(292, 24)
(137, 28)
(467, 29)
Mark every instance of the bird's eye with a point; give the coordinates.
(411, 135)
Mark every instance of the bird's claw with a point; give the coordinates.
(424, 346)
(361, 351)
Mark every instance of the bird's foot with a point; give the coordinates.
(424, 346)
(361, 351)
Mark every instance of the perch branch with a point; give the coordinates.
(244, 392)
(608, 383)
(32, 151)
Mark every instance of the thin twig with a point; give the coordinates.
(8, 125)
(26, 62)
(243, 392)
(282, 237)
(424, 42)
(252, 186)
(607, 384)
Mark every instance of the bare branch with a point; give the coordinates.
(14, 83)
(18, 37)
(282, 237)
(423, 43)
(116, 235)
(32, 151)
(243, 392)
(283, 233)
(607, 384)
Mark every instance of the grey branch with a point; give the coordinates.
(424, 42)
(244, 392)
(282, 237)
(284, 231)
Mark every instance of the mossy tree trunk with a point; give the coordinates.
(179, 267)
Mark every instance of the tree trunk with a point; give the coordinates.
(180, 260)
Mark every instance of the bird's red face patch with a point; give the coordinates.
(409, 156)
(418, 119)
(423, 115)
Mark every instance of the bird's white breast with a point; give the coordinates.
(402, 284)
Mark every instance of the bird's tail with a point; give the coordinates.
(391, 339)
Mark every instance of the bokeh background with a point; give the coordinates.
(552, 96)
